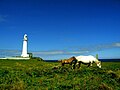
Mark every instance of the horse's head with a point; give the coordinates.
(98, 64)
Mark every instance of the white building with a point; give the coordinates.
(24, 49)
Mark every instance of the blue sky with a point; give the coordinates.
(59, 29)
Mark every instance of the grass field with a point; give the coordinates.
(40, 75)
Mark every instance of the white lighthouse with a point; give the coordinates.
(24, 50)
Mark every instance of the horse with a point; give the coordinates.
(88, 60)
(70, 61)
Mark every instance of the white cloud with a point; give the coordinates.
(57, 52)
(7, 53)
(117, 44)
(47, 52)
(66, 52)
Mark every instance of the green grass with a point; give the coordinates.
(40, 75)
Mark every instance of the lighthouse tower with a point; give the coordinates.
(24, 50)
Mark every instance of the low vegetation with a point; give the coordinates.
(41, 75)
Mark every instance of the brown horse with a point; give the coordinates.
(70, 61)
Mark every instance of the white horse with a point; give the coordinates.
(88, 60)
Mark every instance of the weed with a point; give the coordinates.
(35, 75)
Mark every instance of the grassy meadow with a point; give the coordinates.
(40, 75)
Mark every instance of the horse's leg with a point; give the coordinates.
(89, 64)
(79, 64)
(71, 63)
(62, 64)
(74, 63)
(74, 66)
